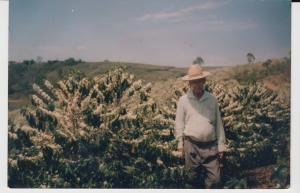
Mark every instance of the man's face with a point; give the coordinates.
(197, 85)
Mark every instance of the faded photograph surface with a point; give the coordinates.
(149, 94)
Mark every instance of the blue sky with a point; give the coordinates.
(162, 32)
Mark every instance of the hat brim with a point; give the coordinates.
(204, 74)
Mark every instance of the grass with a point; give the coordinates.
(255, 72)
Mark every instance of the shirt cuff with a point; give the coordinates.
(180, 143)
(221, 147)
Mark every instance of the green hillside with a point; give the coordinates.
(23, 75)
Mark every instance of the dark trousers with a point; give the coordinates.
(202, 161)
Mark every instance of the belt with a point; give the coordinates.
(201, 144)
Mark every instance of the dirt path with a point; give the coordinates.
(17, 101)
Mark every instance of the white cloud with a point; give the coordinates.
(177, 14)
(220, 25)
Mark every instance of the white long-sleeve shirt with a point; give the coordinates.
(199, 119)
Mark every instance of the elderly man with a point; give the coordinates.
(199, 130)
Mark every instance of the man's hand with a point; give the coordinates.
(221, 154)
(181, 150)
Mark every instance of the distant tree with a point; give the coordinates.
(267, 63)
(199, 60)
(12, 62)
(70, 61)
(28, 63)
(52, 61)
(106, 61)
(288, 58)
(250, 58)
(39, 59)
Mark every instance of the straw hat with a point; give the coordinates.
(195, 72)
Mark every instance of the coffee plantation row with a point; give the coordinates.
(109, 132)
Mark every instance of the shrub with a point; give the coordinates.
(108, 132)
(256, 122)
(105, 132)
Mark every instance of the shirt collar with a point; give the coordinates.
(191, 95)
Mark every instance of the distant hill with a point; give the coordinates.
(22, 75)
(275, 76)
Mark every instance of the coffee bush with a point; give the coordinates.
(109, 132)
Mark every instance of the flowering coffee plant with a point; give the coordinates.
(109, 132)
